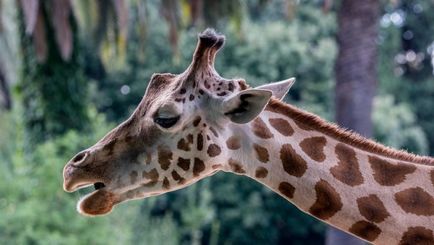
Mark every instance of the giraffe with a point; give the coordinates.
(191, 125)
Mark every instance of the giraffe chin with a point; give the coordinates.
(99, 202)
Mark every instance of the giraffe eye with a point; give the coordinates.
(166, 122)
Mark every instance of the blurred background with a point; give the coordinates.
(70, 70)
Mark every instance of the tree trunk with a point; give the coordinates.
(53, 89)
(356, 76)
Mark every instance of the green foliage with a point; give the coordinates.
(395, 126)
(409, 82)
(248, 210)
(36, 209)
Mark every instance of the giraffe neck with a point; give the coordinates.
(377, 193)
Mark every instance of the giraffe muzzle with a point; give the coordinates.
(79, 173)
(75, 178)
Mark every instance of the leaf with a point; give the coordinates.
(196, 11)
(30, 9)
(122, 17)
(121, 11)
(142, 20)
(39, 38)
(169, 12)
(103, 11)
(61, 12)
(185, 10)
(85, 12)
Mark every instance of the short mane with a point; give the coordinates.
(346, 136)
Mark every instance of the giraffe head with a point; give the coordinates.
(175, 137)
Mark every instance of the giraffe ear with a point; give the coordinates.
(279, 89)
(246, 105)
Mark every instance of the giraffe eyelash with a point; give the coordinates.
(166, 122)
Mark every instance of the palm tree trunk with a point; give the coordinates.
(356, 76)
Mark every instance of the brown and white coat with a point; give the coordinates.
(191, 125)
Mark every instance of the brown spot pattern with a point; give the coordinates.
(292, 163)
(152, 175)
(287, 189)
(183, 145)
(196, 121)
(261, 153)
(365, 230)
(177, 178)
(260, 129)
(166, 183)
(372, 208)
(343, 136)
(282, 126)
(303, 126)
(213, 150)
(347, 171)
(233, 143)
(133, 177)
(389, 174)
(261, 172)
(417, 235)
(236, 166)
(190, 138)
(314, 147)
(328, 202)
(231, 87)
(198, 166)
(184, 163)
(199, 141)
(214, 131)
(416, 201)
(164, 157)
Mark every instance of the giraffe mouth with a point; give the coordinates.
(72, 187)
(100, 201)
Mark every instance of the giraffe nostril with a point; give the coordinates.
(98, 185)
(80, 157)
